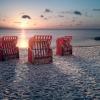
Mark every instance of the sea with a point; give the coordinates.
(79, 37)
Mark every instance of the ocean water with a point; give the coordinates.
(80, 37)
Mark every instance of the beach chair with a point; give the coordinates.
(63, 46)
(8, 48)
(39, 51)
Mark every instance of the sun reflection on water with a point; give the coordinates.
(23, 41)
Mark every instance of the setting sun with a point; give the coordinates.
(24, 23)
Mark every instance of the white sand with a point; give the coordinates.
(75, 77)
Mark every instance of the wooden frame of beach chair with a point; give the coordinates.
(63, 46)
(39, 51)
(8, 47)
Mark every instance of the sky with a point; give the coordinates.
(50, 14)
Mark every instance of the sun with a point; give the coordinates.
(24, 23)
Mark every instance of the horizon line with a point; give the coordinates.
(52, 28)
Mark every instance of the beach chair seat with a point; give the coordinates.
(63, 46)
(39, 51)
(10, 53)
(8, 48)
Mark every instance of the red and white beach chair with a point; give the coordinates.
(8, 49)
(39, 51)
(63, 46)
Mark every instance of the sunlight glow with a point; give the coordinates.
(24, 23)
(23, 42)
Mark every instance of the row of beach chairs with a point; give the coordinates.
(39, 48)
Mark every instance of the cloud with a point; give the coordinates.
(41, 16)
(66, 12)
(96, 9)
(60, 16)
(26, 17)
(72, 12)
(47, 10)
(77, 13)
(45, 18)
(3, 20)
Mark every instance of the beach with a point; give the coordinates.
(63, 33)
(75, 77)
